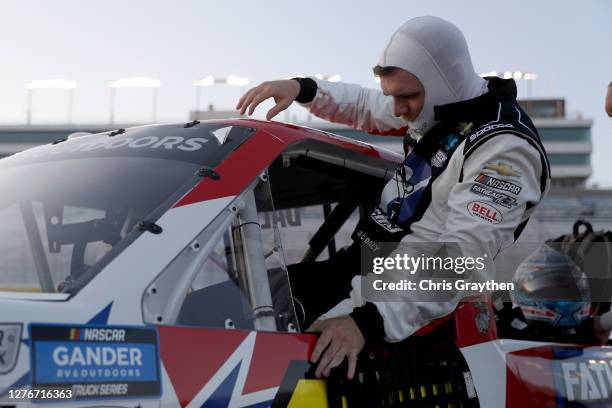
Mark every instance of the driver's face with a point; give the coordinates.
(407, 92)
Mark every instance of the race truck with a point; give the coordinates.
(147, 267)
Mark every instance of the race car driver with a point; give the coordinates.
(475, 176)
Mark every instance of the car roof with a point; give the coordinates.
(289, 133)
(271, 139)
(239, 150)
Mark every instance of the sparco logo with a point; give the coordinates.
(498, 184)
(489, 127)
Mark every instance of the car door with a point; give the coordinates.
(227, 329)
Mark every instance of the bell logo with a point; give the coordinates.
(484, 211)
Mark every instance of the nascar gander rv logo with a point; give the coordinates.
(96, 362)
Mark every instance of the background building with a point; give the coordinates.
(567, 141)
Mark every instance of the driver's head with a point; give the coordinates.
(551, 289)
(426, 63)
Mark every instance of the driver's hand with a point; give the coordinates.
(340, 337)
(283, 91)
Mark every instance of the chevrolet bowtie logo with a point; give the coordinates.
(502, 169)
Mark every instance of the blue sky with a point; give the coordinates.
(567, 43)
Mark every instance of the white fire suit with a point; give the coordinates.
(484, 194)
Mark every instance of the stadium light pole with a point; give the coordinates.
(134, 82)
(209, 80)
(241, 82)
(198, 84)
(50, 84)
(529, 77)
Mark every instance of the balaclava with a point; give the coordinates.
(435, 51)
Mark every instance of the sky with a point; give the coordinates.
(568, 44)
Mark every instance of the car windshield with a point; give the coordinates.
(71, 207)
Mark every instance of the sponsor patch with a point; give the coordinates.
(206, 144)
(96, 361)
(495, 196)
(439, 159)
(498, 184)
(380, 218)
(503, 169)
(485, 212)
